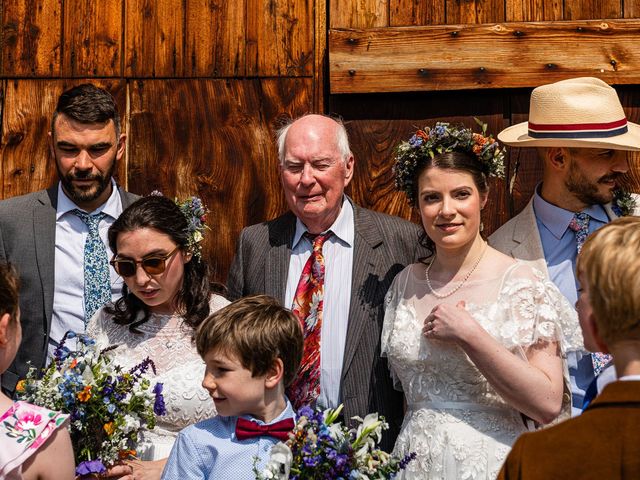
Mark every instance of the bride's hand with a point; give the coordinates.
(448, 323)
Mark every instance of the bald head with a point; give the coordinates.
(314, 127)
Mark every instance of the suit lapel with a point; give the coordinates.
(44, 230)
(367, 238)
(277, 259)
(527, 238)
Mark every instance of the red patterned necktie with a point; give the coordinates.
(248, 429)
(307, 306)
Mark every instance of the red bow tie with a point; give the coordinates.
(248, 429)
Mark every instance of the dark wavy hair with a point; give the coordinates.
(455, 160)
(162, 214)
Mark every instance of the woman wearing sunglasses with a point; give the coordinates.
(166, 294)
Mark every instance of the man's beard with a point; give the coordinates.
(89, 194)
(587, 191)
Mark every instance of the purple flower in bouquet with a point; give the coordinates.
(158, 405)
(90, 467)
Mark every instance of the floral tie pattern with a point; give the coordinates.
(97, 282)
(308, 307)
(580, 226)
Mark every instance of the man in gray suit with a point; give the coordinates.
(43, 234)
(582, 133)
(362, 255)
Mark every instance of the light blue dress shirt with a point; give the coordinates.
(560, 252)
(210, 450)
(338, 262)
(71, 235)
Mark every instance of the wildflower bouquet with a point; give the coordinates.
(321, 448)
(108, 406)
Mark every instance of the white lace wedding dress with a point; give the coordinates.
(167, 341)
(456, 423)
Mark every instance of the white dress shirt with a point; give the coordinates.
(338, 261)
(71, 234)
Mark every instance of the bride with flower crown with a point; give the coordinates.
(474, 338)
(167, 295)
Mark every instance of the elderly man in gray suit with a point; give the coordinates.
(56, 238)
(332, 262)
(581, 133)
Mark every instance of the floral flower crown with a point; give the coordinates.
(428, 142)
(195, 213)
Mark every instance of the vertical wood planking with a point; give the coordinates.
(321, 54)
(215, 35)
(475, 11)
(280, 38)
(154, 38)
(31, 32)
(592, 9)
(92, 38)
(416, 12)
(631, 8)
(534, 10)
(630, 98)
(24, 155)
(526, 160)
(214, 138)
(359, 13)
(3, 90)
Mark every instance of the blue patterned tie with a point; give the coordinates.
(580, 226)
(97, 281)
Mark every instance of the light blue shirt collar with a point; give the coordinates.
(111, 207)
(556, 219)
(343, 228)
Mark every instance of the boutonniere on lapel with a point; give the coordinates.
(623, 203)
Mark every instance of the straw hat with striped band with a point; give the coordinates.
(580, 112)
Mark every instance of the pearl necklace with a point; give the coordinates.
(457, 287)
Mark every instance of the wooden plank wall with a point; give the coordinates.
(201, 85)
(378, 121)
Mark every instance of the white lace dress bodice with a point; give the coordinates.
(166, 340)
(456, 423)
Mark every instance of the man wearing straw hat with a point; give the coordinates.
(581, 133)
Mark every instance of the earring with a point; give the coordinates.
(481, 225)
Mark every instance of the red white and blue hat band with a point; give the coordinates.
(578, 130)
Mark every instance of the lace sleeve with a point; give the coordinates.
(391, 301)
(535, 310)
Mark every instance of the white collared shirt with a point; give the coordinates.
(338, 261)
(71, 234)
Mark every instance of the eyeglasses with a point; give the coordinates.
(154, 264)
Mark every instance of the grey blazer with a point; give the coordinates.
(384, 245)
(27, 240)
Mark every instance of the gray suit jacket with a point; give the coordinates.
(383, 246)
(27, 240)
